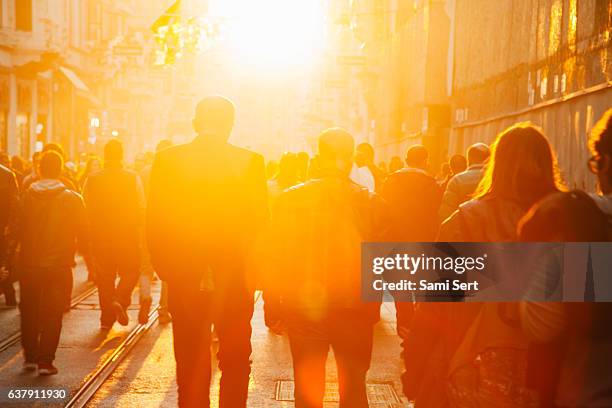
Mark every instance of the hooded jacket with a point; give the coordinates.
(51, 224)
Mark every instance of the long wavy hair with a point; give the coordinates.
(522, 168)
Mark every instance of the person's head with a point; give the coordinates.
(214, 118)
(17, 164)
(478, 153)
(564, 217)
(417, 157)
(113, 152)
(50, 165)
(336, 147)
(54, 147)
(395, 164)
(522, 168)
(457, 163)
(364, 155)
(600, 144)
(163, 145)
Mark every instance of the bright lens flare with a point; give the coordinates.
(273, 33)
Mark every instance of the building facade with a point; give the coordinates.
(545, 61)
(406, 46)
(77, 72)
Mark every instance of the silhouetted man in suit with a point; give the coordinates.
(207, 203)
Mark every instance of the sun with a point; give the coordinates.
(273, 33)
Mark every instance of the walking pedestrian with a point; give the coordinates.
(523, 170)
(207, 203)
(52, 224)
(286, 177)
(9, 194)
(414, 198)
(317, 231)
(147, 271)
(461, 187)
(568, 340)
(115, 205)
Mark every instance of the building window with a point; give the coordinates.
(23, 15)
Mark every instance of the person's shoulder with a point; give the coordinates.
(604, 202)
(174, 152)
(244, 152)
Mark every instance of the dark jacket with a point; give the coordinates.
(52, 223)
(414, 198)
(317, 231)
(460, 189)
(115, 204)
(207, 203)
(9, 196)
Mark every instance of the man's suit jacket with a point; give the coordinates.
(207, 204)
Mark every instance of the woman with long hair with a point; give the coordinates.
(486, 359)
(522, 170)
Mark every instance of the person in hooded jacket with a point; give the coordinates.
(52, 224)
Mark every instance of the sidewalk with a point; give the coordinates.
(146, 377)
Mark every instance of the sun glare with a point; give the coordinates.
(273, 33)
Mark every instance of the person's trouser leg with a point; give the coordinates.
(163, 298)
(309, 348)
(51, 313)
(144, 284)
(129, 272)
(352, 346)
(191, 332)
(30, 293)
(106, 275)
(233, 326)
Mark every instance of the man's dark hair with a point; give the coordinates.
(50, 165)
(417, 156)
(366, 149)
(478, 153)
(457, 163)
(113, 151)
(600, 141)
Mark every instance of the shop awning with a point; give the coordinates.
(74, 79)
(83, 90)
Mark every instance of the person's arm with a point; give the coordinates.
(82, 227)
(543, 321)
(156, 219)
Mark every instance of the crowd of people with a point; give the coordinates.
(216, 223)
